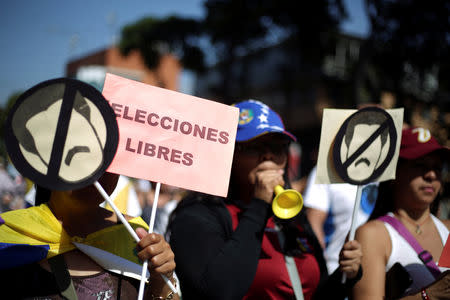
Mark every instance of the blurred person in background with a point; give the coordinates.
(168, 199)
(143, 187)
(329, 208)
(12, 189)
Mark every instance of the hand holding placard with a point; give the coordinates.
(176, 136)
(362, 150)
(63, 135)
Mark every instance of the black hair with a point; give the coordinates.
(385, 198)
(42, 195)
(369, 118)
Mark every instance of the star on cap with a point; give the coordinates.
(263, 118)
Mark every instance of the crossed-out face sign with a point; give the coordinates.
(364, 145)
(359, 146)
(62, 134)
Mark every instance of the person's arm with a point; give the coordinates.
(376, 246)
(317, 203)
(213, 262)
(316, 218)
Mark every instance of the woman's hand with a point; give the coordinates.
(157, 251)
(265, 177)
(350, 258)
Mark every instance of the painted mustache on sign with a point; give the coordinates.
(362, 160)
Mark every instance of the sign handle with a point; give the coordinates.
(117, 211)
(351, 236)
(150, 230)
(130, 229)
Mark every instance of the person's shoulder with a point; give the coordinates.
(373, 228)
(199, 211)
(374, 238)
(199, 204)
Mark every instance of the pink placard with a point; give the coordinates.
(170, 137)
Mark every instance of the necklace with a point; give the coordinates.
(418, 229)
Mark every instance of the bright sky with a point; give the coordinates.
(39, 37)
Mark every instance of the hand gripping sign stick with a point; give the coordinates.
(74, 117)
(134, 235)
(351, 235)
(150, 230)
(215, 137)
(364, 134)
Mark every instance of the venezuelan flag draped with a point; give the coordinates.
(32, 234)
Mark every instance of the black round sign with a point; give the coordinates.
(62, 134)
(360, 155)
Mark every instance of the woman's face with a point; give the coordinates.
(420, 180)
(90, 193)
(249, 155)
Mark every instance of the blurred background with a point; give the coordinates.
(296, 56)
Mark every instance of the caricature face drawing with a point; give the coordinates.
(364, 146)
(363, 166)
(79, 148)
(83, 151)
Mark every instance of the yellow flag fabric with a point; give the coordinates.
(32, 234)
(121, 200)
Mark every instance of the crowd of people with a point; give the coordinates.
(213, 247)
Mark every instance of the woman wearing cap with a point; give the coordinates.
(230, 248)
(403, 225)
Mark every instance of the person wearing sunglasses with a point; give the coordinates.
(404, 238)
(235, 247)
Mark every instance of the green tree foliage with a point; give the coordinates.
(3, 116)
(409, 39)
(238, 27)
(310, 24)
(155, 37)
(235, 28)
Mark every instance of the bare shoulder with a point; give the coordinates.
(374, 239)
(374, 227)
(373, 232)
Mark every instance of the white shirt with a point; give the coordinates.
(338, 201)
(405, 254)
